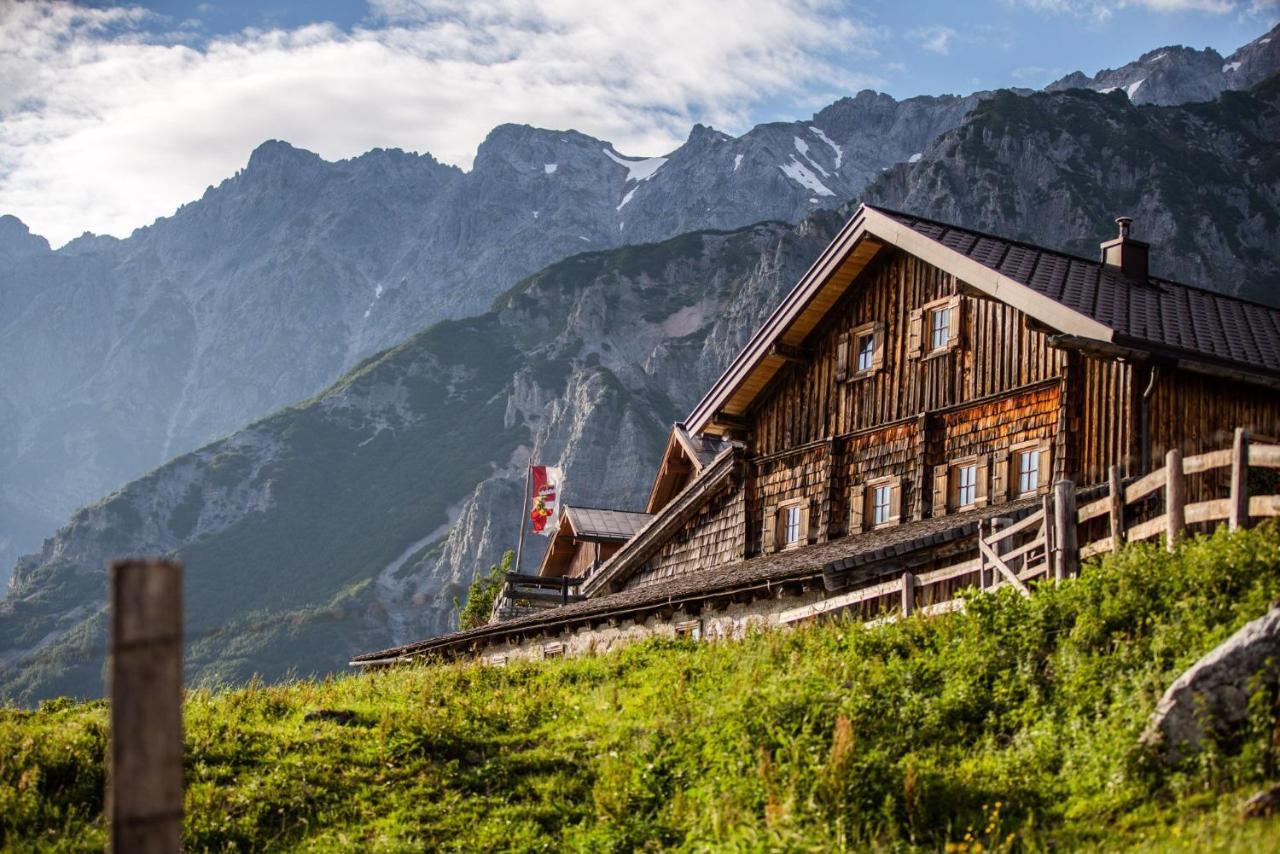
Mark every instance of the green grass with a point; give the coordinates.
(1012, 726)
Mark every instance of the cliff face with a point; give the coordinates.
(352, 520)
(1202, 181)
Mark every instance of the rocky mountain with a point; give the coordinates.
(1180, 75)
(121, 354)
(1202, 181)
(355, 517)
(351, 520)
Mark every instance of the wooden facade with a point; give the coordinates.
(918, 394)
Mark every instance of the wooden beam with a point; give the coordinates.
(1115, 501)
(1175, 498)
(1067, 563)
(1239, 516)
(791, 353)
(144, 767)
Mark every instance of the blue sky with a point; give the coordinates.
(112, 114)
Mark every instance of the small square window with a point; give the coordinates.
(880, 506)
(966, 484)
(940, 328)
(1028, 471)
(866, 349)
(791, 530)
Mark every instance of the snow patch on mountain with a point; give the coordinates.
(798, 172)
(637, 170)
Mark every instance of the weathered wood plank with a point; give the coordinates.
(1009, 574)
(1145, 530)
(1264, 505)
(1144, 486)
(1207, 511)
(1207, 461)
(1094, 509)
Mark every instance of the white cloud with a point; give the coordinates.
(934, 39)
(104, 125)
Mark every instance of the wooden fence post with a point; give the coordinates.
(144, 768)
(1175, 498)
(1115, 493)
(1064, 529)
(1050, 543)
(1239, 513)
(908, 594)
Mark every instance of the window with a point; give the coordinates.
(791, 529)
(875, 504)
(691, 629)
(935, 328)
(1028, 471)
(939, 328)
(553, 650)
(866, 352)
(881, 504)
(966, 479)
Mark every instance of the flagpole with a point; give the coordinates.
(523, 517)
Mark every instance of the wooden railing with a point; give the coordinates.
(1043, 543)
(1171, 483)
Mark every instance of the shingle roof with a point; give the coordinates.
(867, 556)
(1157, 312)
(706, 448)
(605, 524)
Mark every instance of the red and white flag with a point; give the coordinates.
(546, 499)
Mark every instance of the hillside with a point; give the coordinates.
(122, 354)
(1012, 726)
(352, 519)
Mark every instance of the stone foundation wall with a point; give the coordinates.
(732, 622)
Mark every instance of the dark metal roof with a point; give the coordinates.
(868, 556)
(1156, 312)
(605, 524)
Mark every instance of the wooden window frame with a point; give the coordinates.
(875, 331)
(862, 504)
(920, 339)
(1044, 470)
(801, 506)
(554, 649)
(946, 490)
(691, 629)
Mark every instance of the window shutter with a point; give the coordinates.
(940, 473)
(895, 502)
(769, 533)
(805, 531)
(1000, 472)
(915, 330)
(842, 357)
(981, 478)
(1046, 470)
(877, 355)
(857, 507)
(953, 333)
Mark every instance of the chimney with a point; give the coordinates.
(1125, 254)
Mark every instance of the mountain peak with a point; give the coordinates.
(276, 154)
(16, 238)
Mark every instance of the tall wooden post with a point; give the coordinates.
(1064, 530)
(908, 594)
(524, 517)
(1175, 498)
(144, 769)
(1238, 516)
(1115, 496)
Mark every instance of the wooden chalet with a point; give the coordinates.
(920, 381)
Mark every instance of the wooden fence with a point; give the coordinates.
(1043, 543)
